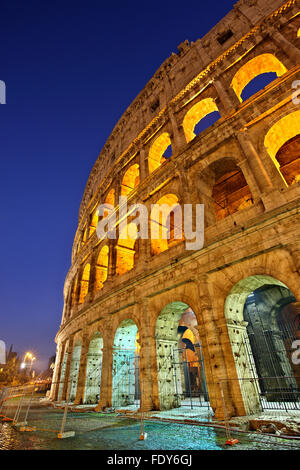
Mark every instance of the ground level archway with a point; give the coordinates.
(180, 366)
(94, 370)
(262, 328)
(126, 355)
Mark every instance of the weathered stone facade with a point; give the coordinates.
(252, 230)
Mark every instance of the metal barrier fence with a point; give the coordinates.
(28, 410)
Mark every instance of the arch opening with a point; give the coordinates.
(201, 116)
(160, 150)
(262, 64)
(230, 192)
(84, 284)
(262, 318)
(257, 84)
(282, 142)
(288, 157)
(165, 224)
(126, 366)
(101, 268)
(131, 180)
(94, 222)
(180, 364)
(94, 370)
(127, 249)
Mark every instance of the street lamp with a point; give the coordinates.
(31, 357)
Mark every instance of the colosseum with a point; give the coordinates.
(150, 323)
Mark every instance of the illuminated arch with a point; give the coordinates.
(166, 223)
(74, 291)
(126, 249)
(110, 199)
(84, 284)
(85, 236)
(94, 221)
(298, 33)
(130, 180)
(157, 150)
(195, 115)
(101, 268)
(287, 128)
(264, 63)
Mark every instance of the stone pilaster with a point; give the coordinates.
(286, 46)
(66, 385)
(56, 374)
(148, 365)
(81, 383)
(294, 250)
(262, 177)
(253, 186)
(143, 162)
(228, 101)
(179, 140)
(106, 375)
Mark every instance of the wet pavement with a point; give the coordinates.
(111, 432)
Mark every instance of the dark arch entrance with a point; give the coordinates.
(271, 331)
(261, 314)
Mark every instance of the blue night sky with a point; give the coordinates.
(71, 69)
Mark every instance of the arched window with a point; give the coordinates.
(130, 180)
(283, 145)
(110, 200)
(229, 190)
(101, 268)
(93, 222)
(127, 249)
(74, 291)
(201, 116)
(262, 64)
(160, 150)
(84, 284)
(166, 223)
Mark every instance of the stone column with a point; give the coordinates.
(244, 166)
(148, 366)
(111, 269)
(241, 394)
(82, 371)
(287, 47)
(229, 101)
(92, 279)
(294, 250)
(205, 197)
(106, 375)
(221, 364)
(58, 378)
(66, 386)
(179, 141)
(57, 370)
(117, 188)
(262, 177)
(144, 168)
